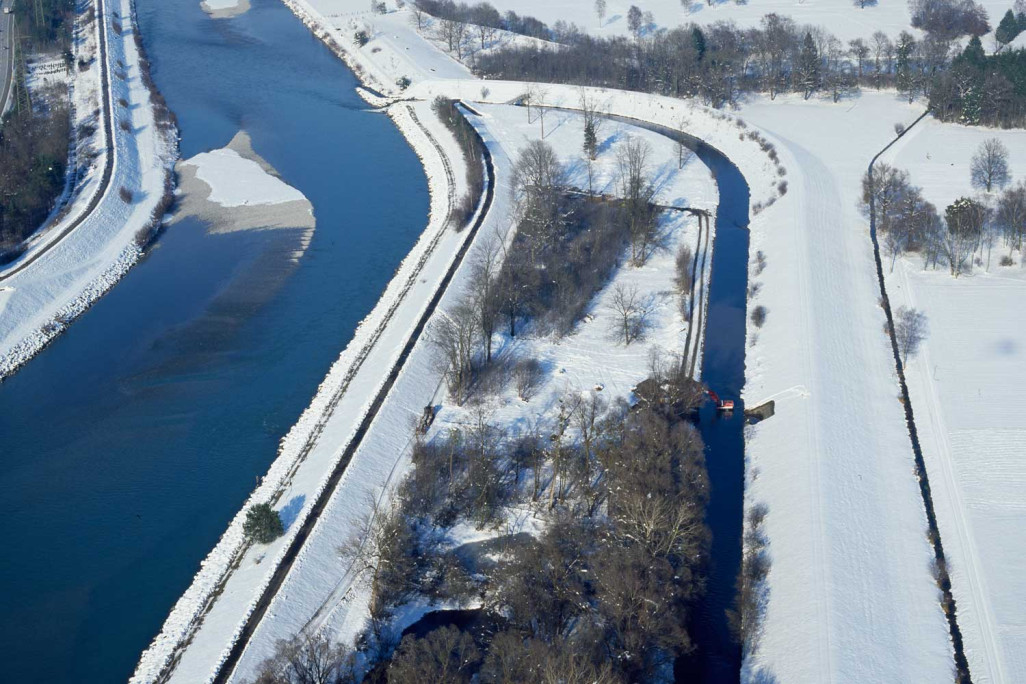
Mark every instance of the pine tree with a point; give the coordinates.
(808, 67)
(698, 42)
(973, 53)
(904, 71)
(1008, 29)
(590, 140)
(263, 524)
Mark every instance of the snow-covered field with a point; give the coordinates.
(842, 17)
(851, 594)
(44, 297)
(968, 389)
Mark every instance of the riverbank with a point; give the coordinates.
(81, 256)
(229, 582)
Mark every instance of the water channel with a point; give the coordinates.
(128, 444)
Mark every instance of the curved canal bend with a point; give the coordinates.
(130, 442)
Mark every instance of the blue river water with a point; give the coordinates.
(129, 443)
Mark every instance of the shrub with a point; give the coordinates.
(125, 125)
(125, 194)
(949, 18)
(263, 524)
(527, 376)
(758, 316)
(1006, 260)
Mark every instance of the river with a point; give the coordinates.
(129, 443)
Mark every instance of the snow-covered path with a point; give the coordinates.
(851, 595)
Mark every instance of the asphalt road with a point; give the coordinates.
(6, 54)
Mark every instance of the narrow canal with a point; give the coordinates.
(717, 659)
(128, 444)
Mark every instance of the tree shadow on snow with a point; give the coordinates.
(290, 511)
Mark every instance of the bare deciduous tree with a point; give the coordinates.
(600, 11)
(629, 309)
(1011, 216)
(910, 330)
(684, 153)
(634, 21)
(307, 660)
(637, 192)
(444, 655)
(486, 299)
(989, 166)
(455, 334)
(527, 376)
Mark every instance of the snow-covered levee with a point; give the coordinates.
(86, 249)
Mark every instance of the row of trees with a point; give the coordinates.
(34, 136)
(982, 89)
(33, 157)
(721, 61)
(566, 247)
(473, 155)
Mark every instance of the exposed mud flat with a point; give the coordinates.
(225, 9)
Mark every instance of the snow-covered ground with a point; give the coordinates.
(42, 298)
(319, 593)
(235, 181)
(225, 9)
(968, 390)
(851, 594)
(842, 17)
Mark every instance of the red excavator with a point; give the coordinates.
(721, 404)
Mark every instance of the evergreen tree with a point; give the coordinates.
(698, 42)
(905, 75)
(263, 524)
(1008, 29)
(973, 53)
(590, 140)
(809, 77)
